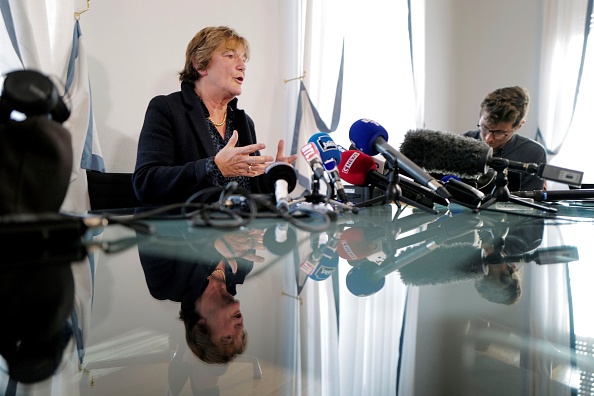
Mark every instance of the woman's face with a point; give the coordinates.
(222, 314)
(226, 70)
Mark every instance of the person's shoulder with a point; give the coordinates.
(526, 142)
(472, 134)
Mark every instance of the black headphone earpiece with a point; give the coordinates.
(33, 94)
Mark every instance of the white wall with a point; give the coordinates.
(474, 47)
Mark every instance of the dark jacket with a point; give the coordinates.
(174, 146)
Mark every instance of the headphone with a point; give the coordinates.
(33, 94)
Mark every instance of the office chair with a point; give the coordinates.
(111, 190)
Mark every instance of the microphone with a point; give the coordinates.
(562, 195)
(359, 169)
(371, 138)
(446, 152)
(280, 239)
(312, 155)
(281, 179)
(331, 156)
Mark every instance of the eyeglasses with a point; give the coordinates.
(497, 135)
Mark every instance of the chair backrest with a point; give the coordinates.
(111, 190)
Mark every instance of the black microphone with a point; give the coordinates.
(371, 138)
(446, 152)
(562, 195)
(281, 178)
(280, 239)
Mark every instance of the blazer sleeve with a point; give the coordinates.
(171, 158)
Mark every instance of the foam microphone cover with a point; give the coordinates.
(326, 146)
(446, 152)
(354, 167)
(447, 264)
(280, 170)
(363, 134)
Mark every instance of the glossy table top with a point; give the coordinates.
(382, 302)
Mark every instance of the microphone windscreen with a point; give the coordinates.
(363, 134)
(280, 170)
(353, 244)
(446, 152)
(326, 146)
(447, 264)
(354, 166)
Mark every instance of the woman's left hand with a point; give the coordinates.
(280, 154)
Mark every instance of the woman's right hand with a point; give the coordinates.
(237, 161)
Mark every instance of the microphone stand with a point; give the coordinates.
(501, 193)
(316, 198)
(393, 193)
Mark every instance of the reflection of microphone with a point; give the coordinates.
(550, 255)
(543, 195)
(448, 264)
(446, 152)
(331, 156)
(280, 239)
(323, 260)
(312, 156)
(368, 278)
(281, 178)
(359, 169)
(371, 138)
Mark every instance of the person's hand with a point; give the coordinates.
(237, 161)
(280, 154)
(239, 245)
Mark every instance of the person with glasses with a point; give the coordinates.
(502, 113)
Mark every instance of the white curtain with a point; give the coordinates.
(561, 55)
(44, 35)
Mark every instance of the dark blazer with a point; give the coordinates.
(174, 145)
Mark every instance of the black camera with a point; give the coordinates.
(33, 94)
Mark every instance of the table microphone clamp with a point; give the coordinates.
(316, 198)
(501, 193)
(394, 195)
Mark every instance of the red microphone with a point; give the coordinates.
(359, 169)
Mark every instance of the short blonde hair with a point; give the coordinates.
(202, 46)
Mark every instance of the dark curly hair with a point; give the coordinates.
(509, 104)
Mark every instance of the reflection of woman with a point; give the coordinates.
(197, 137)
(206, 289)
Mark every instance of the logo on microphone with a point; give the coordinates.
(325, 143)
(309, 151)
(349, 162)
(368, 121)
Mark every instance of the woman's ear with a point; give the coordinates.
(201, 72)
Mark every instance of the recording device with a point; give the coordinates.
(331, 156)
(446, 152)
(33, 94)
(35, 152)
(371, 138)
(281, 179)
(562, 195)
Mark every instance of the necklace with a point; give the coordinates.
(218, 124)
(220, 271)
